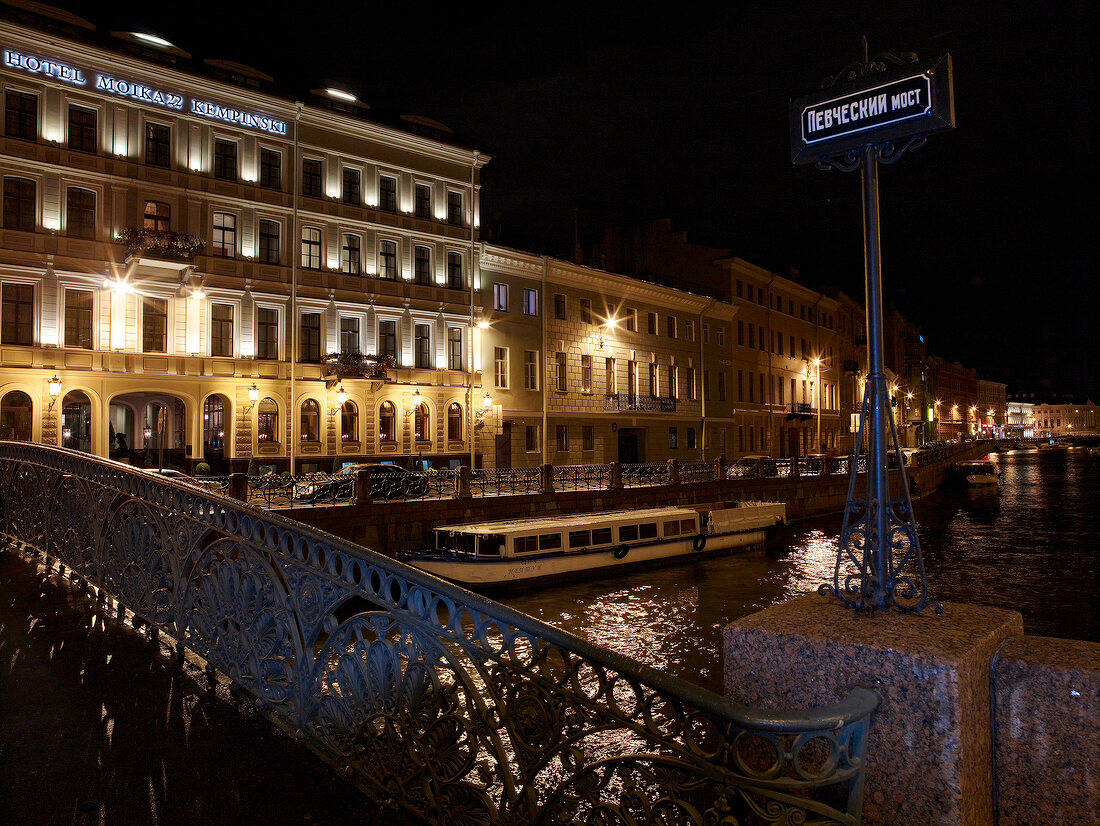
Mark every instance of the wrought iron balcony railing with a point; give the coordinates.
(173, 246)
(634, 401)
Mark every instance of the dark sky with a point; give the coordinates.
(629, 113)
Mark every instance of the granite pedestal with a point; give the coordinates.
(930, 746)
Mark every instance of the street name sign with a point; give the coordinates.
(879, 107)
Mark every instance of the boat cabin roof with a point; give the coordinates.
(571, 521)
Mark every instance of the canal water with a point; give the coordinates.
(1033, 546)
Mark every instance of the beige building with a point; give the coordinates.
(1054, 419)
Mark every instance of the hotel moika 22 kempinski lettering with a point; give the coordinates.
(141, 92)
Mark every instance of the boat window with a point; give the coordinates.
(490, 545)
(549, 541)
(648, 530)
(687, 526)
(601, 536)
(526, 544)
(672, 528)
(628, 533)
(578, 539)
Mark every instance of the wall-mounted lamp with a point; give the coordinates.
(341, 397)
(416, 400)
(253, 395)
(486, 410)
(55, 391)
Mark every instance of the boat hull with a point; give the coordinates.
(498, 571)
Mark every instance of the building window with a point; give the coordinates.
(20, 202)
(586, 374)
(531, 438)
(224, 242)
(454, 348)
(610, 383)
(387, 193)
(311, 248)
(673, 382)
(309, 333)
(673, 438)
(422, 423)
(82, 129)
(454, 208)
(268, 252)
(154, 324)
(632, 378)
(387, 339)
(387, 260)
(267, 421)
(213, 423)
(349, 334)
(720, 336)
(221, 330)
(158, 216)
(271, 169)
(158, 145)
(311, 177)
(454, 422)
(351, 192)
(689, 329)
(79, 213)
(225, 159)
(267, 333)
(530, 302)
(559, 306)
(691, 438)
(760, 339)
(422, 346)
(78, 319)
(349, 422)
(530, 370)
(350, 255)
(17, 314)
(20, 115)
(561, 438)
(423, 201)
(631, 319)
(422, 265)
(740, 385)
(500, 367)
(690, 382)
(670, 326)
(586, 310)
(706, 385)
(651, 323)
(310, 430)
(454, 270)
(387, 422)
(722, 386)
(500, 297)
(588, 441)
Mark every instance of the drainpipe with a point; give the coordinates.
(293, 320)
(470, 345)
(702, 390)
(771, 383)
(545, 354)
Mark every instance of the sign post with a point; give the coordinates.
(856, 122)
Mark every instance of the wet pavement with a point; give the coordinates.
(98, 726)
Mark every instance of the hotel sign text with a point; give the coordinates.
(883, 107)
(142, 93)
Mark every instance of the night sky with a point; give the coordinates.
(629, 114)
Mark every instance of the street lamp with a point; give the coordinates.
(55, 390)
(816, 364)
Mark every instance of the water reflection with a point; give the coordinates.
(1033, 547)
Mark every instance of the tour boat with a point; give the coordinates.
(558, 547)
(977, 474)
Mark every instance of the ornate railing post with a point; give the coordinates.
(238, 486)
(546, 479)
(462, 482)
(362, 486)
(674, 471)
(616, 476)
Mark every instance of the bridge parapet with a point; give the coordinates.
(445, 705)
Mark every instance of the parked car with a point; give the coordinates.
(386, 482)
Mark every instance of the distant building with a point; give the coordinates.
(1066, 419)
(1021, 420)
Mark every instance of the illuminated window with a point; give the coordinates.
(267, 333)
(221, 330)
(454, 208)
(387, 339)
(20, 204)
(268, 252)
(387, 260)
(20, 115)
(311, 177)
(267, 421)
(350, 255)
(454, 270)
(423, 201)
(422, 346)
(310, 421)
(349, 334)
(586, 374)
(422, 265)
(500, 297)
(387, 421)
(351, 190)
(422, 423)
(530, 370)
(82, 129)
(530, 302)
(18, 314)
(158, 216)
(500, 367)
(310, 338)
(225, 159)
(79, 213)
(78, 319)
(387, 193)
(562, 378)
(454, 422)
(311, 248)
(454, 348)
(154, 324)
(224, 240)
(349, 422)
(673, 381)
(158, 145)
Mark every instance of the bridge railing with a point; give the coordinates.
(438, 702)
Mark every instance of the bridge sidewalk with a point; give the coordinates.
(96, 727)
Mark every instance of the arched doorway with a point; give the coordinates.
(213, 433)
(76, 421)
(15, 417)
(150, 437)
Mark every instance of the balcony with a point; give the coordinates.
(358, 365)
(631, 401)
(800, 410)
(161, 244)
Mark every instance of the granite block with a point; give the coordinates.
(1046, 696)
(930, 744)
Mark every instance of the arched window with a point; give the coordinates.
(422, 424)
(311, 421)
(349, 422)
(213, 423)
(267, 421)
(454, 422)
(387, 420)
(15, 417)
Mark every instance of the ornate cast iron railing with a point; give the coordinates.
(655, 473)
(582, 477)
(490, 482)
(635, 401)
(698, 472)
(439, 703)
